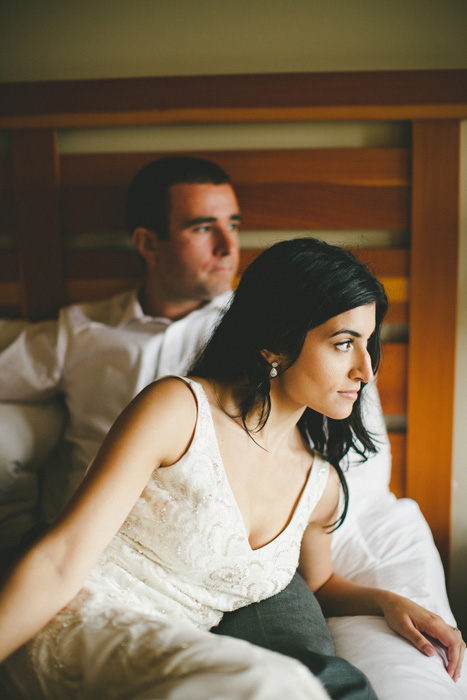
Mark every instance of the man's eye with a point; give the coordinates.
(202, 229)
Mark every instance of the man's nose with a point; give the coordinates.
(226, 240)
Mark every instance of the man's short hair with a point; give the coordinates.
(148, 196)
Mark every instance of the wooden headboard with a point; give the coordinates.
(48, 198)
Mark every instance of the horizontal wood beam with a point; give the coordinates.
(388, 166)
(389, 263)
(430, 94)
(101, 272)
(276, 206)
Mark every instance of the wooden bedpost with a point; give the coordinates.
(36, 185)
(434, 261)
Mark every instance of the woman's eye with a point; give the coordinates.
(345, 345)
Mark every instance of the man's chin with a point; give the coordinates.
(219, 287)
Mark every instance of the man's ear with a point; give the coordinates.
(146, 243)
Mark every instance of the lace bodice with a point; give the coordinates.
(184, 551)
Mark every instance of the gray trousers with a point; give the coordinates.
(293, 624)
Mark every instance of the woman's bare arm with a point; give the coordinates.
(155, 430)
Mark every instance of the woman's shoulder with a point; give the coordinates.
(165, 412)
(168, 394)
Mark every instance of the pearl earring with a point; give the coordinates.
(273, 370)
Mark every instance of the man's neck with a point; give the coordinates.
(173, 309)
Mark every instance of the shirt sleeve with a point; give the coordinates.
(29, 362)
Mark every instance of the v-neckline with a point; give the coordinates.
(312, 475)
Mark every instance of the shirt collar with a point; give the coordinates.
(132, 310)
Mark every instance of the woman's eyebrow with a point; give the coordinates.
(348, 331)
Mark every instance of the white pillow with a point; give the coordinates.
(392, 548)
(10, 330)
(28, 435)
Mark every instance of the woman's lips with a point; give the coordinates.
(351, 395)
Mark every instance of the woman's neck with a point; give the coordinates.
(279, 430)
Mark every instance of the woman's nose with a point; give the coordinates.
(363, 369)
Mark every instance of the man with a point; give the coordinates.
(183, 216)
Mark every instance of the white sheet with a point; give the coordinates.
(28, 435)
(391, 546)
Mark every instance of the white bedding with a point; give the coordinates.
(391, 547)
(29, 434)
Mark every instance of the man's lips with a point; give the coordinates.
(222, 268)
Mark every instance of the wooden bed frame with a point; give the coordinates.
(45, 195)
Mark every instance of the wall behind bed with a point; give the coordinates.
(88, 39)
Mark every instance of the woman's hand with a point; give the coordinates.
(337, 596)
(413, 622)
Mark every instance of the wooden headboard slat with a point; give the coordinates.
(311, 188)
(82, 289)
(82, 264)
(269, 206)
(321, 206)
(93, 186)
(364, 166)
(85, 279)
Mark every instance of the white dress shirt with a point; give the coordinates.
(99, 355)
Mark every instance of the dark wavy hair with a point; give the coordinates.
(148, 199)
(289, 289)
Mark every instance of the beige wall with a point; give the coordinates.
(63, 39)
(53, 39)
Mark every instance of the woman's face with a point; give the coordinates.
(332, 365)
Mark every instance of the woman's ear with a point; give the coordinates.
(274, 360)
(271, 356)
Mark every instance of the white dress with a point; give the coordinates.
(139, 628)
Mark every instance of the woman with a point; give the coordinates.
(206, 495)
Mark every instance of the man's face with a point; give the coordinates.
(200, 258)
